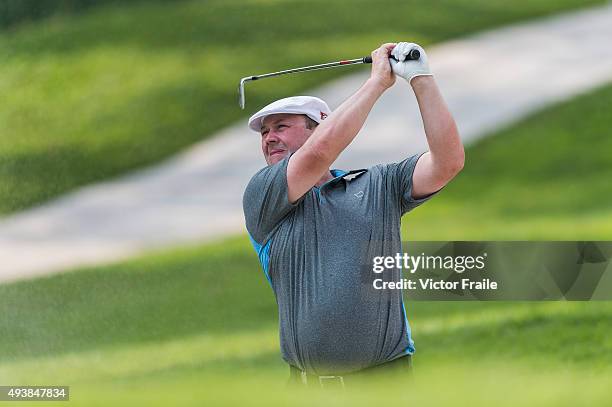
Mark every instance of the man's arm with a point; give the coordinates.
(334, 134)
(445, 157)
(444, 160)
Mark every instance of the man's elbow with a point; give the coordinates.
(458, 162)
(452, 166)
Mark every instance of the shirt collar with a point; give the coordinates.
(338, 173)
(345, 175)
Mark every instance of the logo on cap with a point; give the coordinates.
(323, 115)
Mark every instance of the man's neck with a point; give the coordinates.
(326, 177)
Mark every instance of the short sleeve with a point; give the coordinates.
(399, 181)
(266, 201)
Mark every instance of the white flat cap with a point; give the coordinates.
(311, 106)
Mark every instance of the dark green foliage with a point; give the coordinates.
(89, 96)
(13, 12)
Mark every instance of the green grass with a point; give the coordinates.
(90, 96)
(199, 325)
(547, 177)
(15, 12)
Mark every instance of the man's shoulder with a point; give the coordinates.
(382, 168)
(255, 186)
(259, 174)
(264, 174)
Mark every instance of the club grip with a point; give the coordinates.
(413, 55)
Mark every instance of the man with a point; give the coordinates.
(316, 230)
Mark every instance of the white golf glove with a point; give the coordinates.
(411, 68)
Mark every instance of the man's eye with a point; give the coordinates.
(282, 125)
(263, 133)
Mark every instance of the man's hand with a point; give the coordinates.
(411, 68)
(381, 69)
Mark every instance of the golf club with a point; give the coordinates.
(414, 54)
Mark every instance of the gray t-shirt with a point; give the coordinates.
(317, 255)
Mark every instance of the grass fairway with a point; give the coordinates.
(89, 96)
(547, 177)
(199, 325)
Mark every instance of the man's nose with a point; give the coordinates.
(271, 137)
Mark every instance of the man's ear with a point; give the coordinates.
(309, 123)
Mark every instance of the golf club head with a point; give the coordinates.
(241, 97)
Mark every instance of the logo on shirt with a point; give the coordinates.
(359, 194)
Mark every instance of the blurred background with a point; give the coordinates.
(93, 90)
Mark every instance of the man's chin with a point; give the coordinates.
(275, 158)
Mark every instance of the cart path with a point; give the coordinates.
(489, 80)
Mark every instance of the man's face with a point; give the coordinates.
(282, 134)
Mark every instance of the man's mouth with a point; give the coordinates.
(276, 151)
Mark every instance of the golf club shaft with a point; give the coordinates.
(312, 68)
(412, 55)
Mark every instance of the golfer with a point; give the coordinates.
(316, 230)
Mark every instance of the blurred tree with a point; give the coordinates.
(13, 12)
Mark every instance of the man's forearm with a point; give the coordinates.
(310, 162)
(442, 135)
(336, 132)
